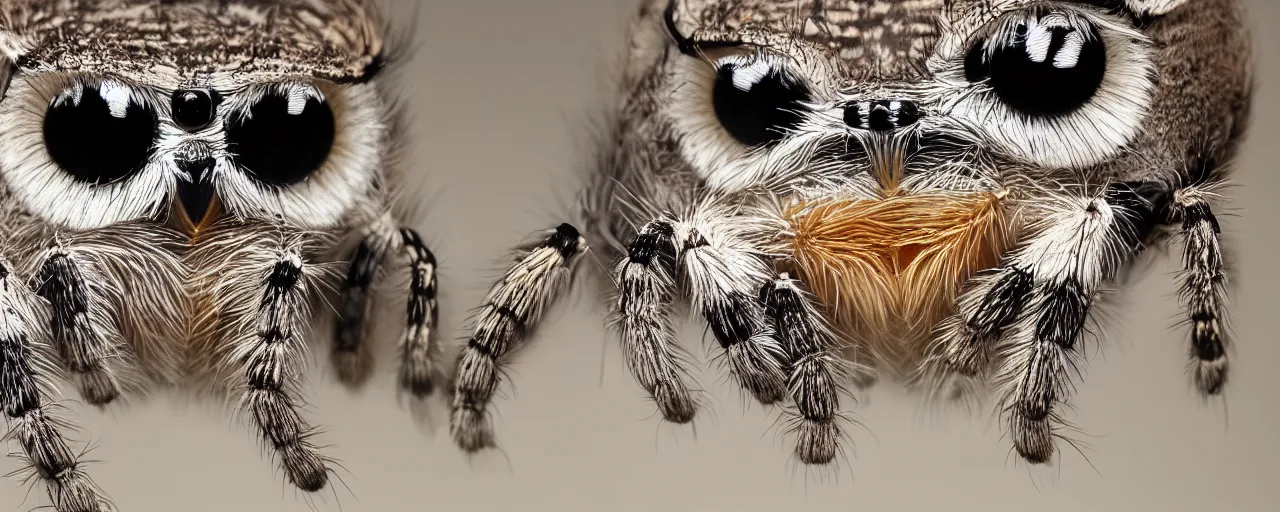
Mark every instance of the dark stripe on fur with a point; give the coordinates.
(1001, 304)
(268, 365)
(812, 377)
(78, 344)
(417, 355)
(31, 427)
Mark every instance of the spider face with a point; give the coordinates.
(900, 177)
(182, 180)
(1039, 86)
(299, 150)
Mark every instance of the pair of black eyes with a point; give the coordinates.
(95, 143)
(1039, 69)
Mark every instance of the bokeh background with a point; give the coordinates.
(499, 91)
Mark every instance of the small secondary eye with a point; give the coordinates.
(1044, 65)
(757, 103)
(282, 139)
(97, 134)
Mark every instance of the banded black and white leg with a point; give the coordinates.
(1203, 288)
(646, 290)
(959, 359)
(722, 278)
(23, 376)
(273, 359)
(541, 273)
(1033, 310)
(84, 330)
(419, 354)
(816, 368)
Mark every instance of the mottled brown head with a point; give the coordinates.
(887, 39)
(337, 40)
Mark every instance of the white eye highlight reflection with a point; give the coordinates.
(78, 151)
(1061, 88)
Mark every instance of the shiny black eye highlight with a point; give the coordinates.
(96, 140)
(280, 147)
(1045, 65)
(757, 103)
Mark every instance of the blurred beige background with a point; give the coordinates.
(499, 88)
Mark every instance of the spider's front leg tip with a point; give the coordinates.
(817, 442)
(353, 367)
(675, 403)
(471, 429)
(418, 377)
(304, 467)
(767, 390)
(74, 492)
(761, 369)
(98, 387)
(421, 387)
(1211, 376)
(1033, 439)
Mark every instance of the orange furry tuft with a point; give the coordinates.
(888, 270)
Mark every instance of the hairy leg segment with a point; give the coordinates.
(272, 362)
(542, 271)
(84, 330)
(1030, 314)
(24, 378)
(722, 280)
(1203, 283)
(419, 354)
(773, 338)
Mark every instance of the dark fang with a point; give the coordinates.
(195, 195)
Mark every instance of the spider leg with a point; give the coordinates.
(984, 310)
(816, 368)
(512, 307)
(22, 371)
(1082, 245)
(350, 357)
(418, 355)
(272, 359)
(642, 319)
(723, 279)
(86, 336)
(1203, 283)
(964, 342)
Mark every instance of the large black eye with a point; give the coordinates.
(99, 140)
(1046, 65)
(281, 146)
(757, 103)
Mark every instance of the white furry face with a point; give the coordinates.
(86, 151)
(1044, 87)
